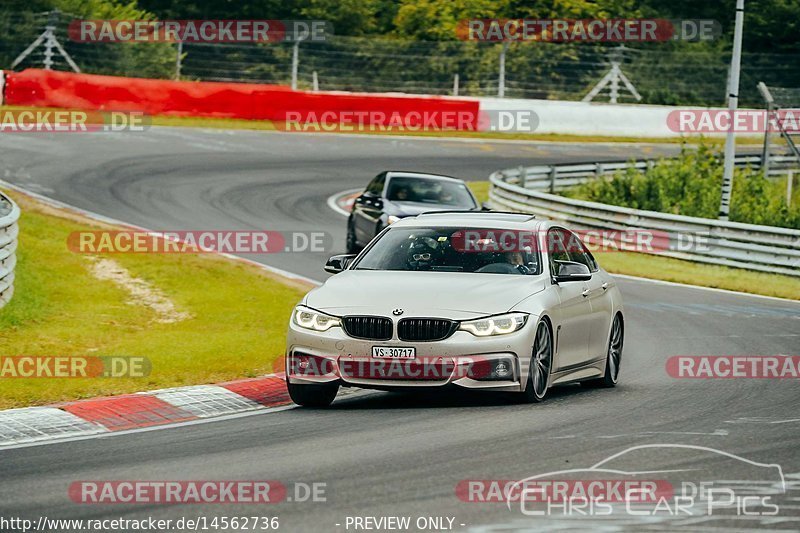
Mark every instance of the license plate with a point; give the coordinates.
(390, 352)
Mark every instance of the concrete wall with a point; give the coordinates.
(579, 118)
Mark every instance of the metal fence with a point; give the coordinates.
(749, 246)
(9, 230)
(663, 73)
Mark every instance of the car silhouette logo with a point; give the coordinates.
(397, 312)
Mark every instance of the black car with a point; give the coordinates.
(392, 195)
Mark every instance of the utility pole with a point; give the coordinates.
(501, 83)
(179, 60)
(295, 63)
(733, 104)
(762, 88)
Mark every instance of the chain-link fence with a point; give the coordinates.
(663, 73)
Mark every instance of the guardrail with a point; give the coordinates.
(762, 248)
(558, 177)
(9, 230)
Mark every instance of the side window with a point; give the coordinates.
(376, 185)
(593, 266)
(556, 247)
(578, 252)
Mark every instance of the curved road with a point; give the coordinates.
(396, 454)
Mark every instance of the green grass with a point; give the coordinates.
(267, 125)
(679, 271)
(237, 330)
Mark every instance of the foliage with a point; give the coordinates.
(690, 185)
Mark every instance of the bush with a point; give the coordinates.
(690, 185)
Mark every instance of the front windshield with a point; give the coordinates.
(429, 191)
(443, 250)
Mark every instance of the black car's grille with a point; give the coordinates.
(375, 328)
(425, 329)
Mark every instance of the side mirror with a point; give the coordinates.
(337, 263)
(571, 271)
(485, 206)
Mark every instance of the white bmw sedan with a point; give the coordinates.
(480, 300)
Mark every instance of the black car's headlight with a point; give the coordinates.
(495, 325)
(308, 318)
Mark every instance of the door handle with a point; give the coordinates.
(605, 286)
(585, 292)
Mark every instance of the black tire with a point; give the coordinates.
(352, 245)
(312, 395)
(613, 356)
(540, 365)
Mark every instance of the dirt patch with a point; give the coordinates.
(141, 292)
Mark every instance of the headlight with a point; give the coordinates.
(310, 319)
(495, 325)
(392, 219)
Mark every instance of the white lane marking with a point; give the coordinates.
(714, 289)
(334, 204)
(716, 433)
(760, 420)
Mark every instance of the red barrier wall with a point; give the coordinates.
(46, 88)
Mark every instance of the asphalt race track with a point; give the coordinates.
(385, 454)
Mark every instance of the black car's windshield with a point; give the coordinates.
(429, 191)
(447, 250)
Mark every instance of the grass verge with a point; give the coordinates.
(679, 271)
(267, 125)
(237, 326)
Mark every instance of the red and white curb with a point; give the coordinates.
(342, 202)
(140, 410)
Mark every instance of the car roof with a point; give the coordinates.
(422, 175)
(473, 219)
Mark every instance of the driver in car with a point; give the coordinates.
(517, 260)
(421, 253)
(401, 194)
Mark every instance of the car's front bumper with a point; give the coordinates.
(462, 360)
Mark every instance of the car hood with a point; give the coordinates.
(457, 295)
